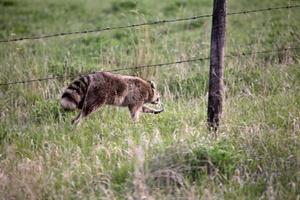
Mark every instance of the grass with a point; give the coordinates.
(254, 155)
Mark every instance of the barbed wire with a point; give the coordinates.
(112, 70)
(142, 24)
(148, 66)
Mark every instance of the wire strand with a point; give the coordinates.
(148, 66)
(36, 37)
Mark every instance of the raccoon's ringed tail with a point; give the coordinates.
(67, 104)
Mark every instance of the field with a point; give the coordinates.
(254, 155)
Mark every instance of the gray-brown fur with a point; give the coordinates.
(94, 90)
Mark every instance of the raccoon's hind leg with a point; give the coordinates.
(77, 119)
(95, 97)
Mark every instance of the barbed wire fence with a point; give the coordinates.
(232, 55)
(37, 37)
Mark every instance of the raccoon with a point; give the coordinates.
(91, 91)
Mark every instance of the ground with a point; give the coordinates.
(255, 154)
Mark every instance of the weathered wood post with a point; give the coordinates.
(216, 84)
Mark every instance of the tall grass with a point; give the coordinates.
(255, 154)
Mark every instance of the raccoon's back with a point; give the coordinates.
(74, 95)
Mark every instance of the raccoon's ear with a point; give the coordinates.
(153, 85)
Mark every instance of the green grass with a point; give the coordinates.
(254, 155)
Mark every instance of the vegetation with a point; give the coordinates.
(255, 154)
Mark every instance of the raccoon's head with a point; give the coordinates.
(155, 99)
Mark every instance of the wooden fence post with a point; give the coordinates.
(216, 84)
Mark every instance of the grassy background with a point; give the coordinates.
(255, 154)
